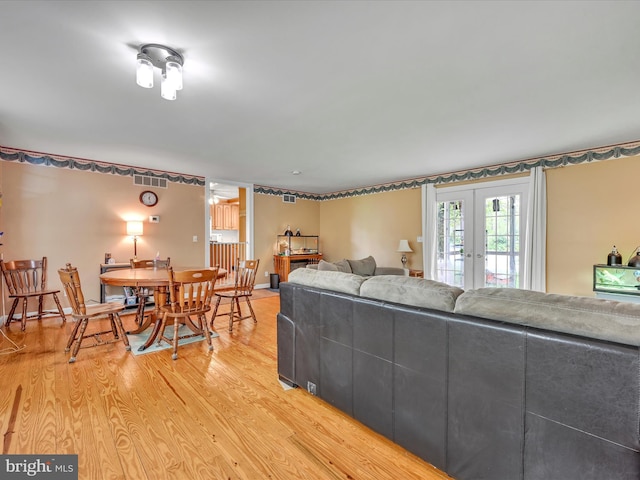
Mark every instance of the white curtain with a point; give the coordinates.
(429, 231)
(535, 244)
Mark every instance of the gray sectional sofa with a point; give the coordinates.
(365, 267)
(492, 384)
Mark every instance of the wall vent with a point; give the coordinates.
(147, 181)
(288, 198)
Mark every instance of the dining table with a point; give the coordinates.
(152, 278)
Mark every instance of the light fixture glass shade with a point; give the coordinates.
(174, 72)
(144, 71)
(134, 228)
(404, 247)
(167, 89)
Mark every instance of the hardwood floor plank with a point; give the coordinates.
(207, 415)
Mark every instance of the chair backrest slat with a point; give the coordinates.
(25, 276)
(245, 275)
(70, 279)
(191, 290)
(157, 263)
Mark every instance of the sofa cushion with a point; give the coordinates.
(418, 292)
(336, 281)
(365, 266)
(584, 316)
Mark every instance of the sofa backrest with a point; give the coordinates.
(417, 292)
(584, 316)
(588, 317)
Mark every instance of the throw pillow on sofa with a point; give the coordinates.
(340, 266)
(365, 267)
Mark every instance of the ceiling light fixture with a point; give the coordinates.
(168, 60)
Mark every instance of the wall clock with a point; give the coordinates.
(148, 198)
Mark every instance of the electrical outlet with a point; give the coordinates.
(311, 388)
(195, 238)
(266, 274)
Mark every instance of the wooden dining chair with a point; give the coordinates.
(191, 293)
(142, 293)
(82, 313)
(27, 279)
(242, 288)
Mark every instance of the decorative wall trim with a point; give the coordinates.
(560, 160)
(43, 159)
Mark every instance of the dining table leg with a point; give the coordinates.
(155, 317)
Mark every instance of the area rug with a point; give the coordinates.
(137, 340)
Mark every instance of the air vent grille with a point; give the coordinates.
(288, 198)
(147, 181)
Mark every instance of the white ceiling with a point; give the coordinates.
(350, 93)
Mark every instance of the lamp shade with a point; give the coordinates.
(404, 247)
(144, 71)
(134, 228)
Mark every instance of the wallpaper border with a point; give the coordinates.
(43, 159)
(628, 149)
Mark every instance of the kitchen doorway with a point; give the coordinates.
(229, 220)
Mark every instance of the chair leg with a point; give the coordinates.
(215, 310)
(40, 301)
(123, 334)
(253, 315)
(14, 305)
(231, 304)
(140, 311)
(114, 329)
(76, 347)
(60, 310)
(72, 337)
(176, 325)
(205, 328)
(23, 320)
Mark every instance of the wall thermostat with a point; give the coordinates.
(154, 218)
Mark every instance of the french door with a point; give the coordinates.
(480, 234)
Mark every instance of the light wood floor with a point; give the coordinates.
(207, 415)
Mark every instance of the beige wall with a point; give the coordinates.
(76, 216)
(271, 217)
(591, 207)
(357, 227)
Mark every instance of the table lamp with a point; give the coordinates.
(134, 229)
(404, 248)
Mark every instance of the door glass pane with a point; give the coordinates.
(450, 267)
(502, 241)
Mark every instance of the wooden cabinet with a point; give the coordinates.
(283, 264)
(225, 216)
(235, 216)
